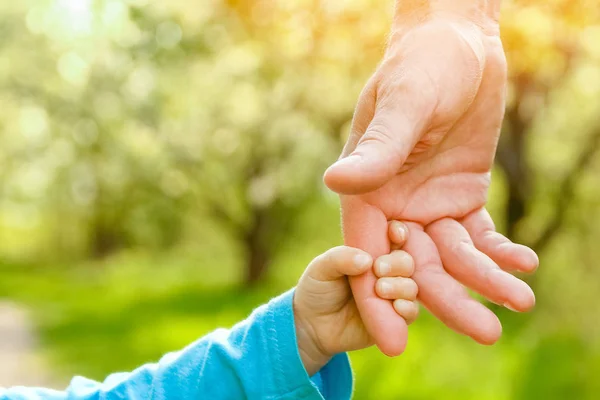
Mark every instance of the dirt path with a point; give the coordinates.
(19, 361)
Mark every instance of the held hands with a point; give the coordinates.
(421, 149)
(327, 320)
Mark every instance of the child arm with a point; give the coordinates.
(257, 359)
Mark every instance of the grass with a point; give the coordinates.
(98, 318)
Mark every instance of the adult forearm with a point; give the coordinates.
(476, 10)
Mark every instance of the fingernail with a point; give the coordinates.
(511, 308)
(384, 268)
(362, 261)
(385, 287)
(401, 230)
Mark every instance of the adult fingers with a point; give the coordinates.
(508, 255)
(364, 227)
(444, 297)
(475, 269)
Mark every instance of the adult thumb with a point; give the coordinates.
(399, 120)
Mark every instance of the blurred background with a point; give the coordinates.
(160, 176)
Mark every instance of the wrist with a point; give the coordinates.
(410, 12)
(311, 353)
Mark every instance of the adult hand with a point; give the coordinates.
(421, 149)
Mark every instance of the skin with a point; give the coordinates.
(421, 149)
(326, 317)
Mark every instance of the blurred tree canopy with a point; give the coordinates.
(125, 123)
(122, 123)
(140, 124)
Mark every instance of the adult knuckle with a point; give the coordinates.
(378, 131)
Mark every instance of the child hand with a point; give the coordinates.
(326, 317)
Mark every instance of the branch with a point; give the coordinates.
(567, 193)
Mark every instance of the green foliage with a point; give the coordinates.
(155, 153)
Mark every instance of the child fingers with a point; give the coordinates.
(396, 288)
(397, 233)
(397, 263)
(409, 310)
(340, 261)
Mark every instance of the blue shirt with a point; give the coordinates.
(256, 359)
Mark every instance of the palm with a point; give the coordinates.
(447, 172)
(421, 149)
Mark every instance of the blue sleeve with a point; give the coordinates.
(257, 359)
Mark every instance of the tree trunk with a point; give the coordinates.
(104, 241)
(257, 250)
(512, 159)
